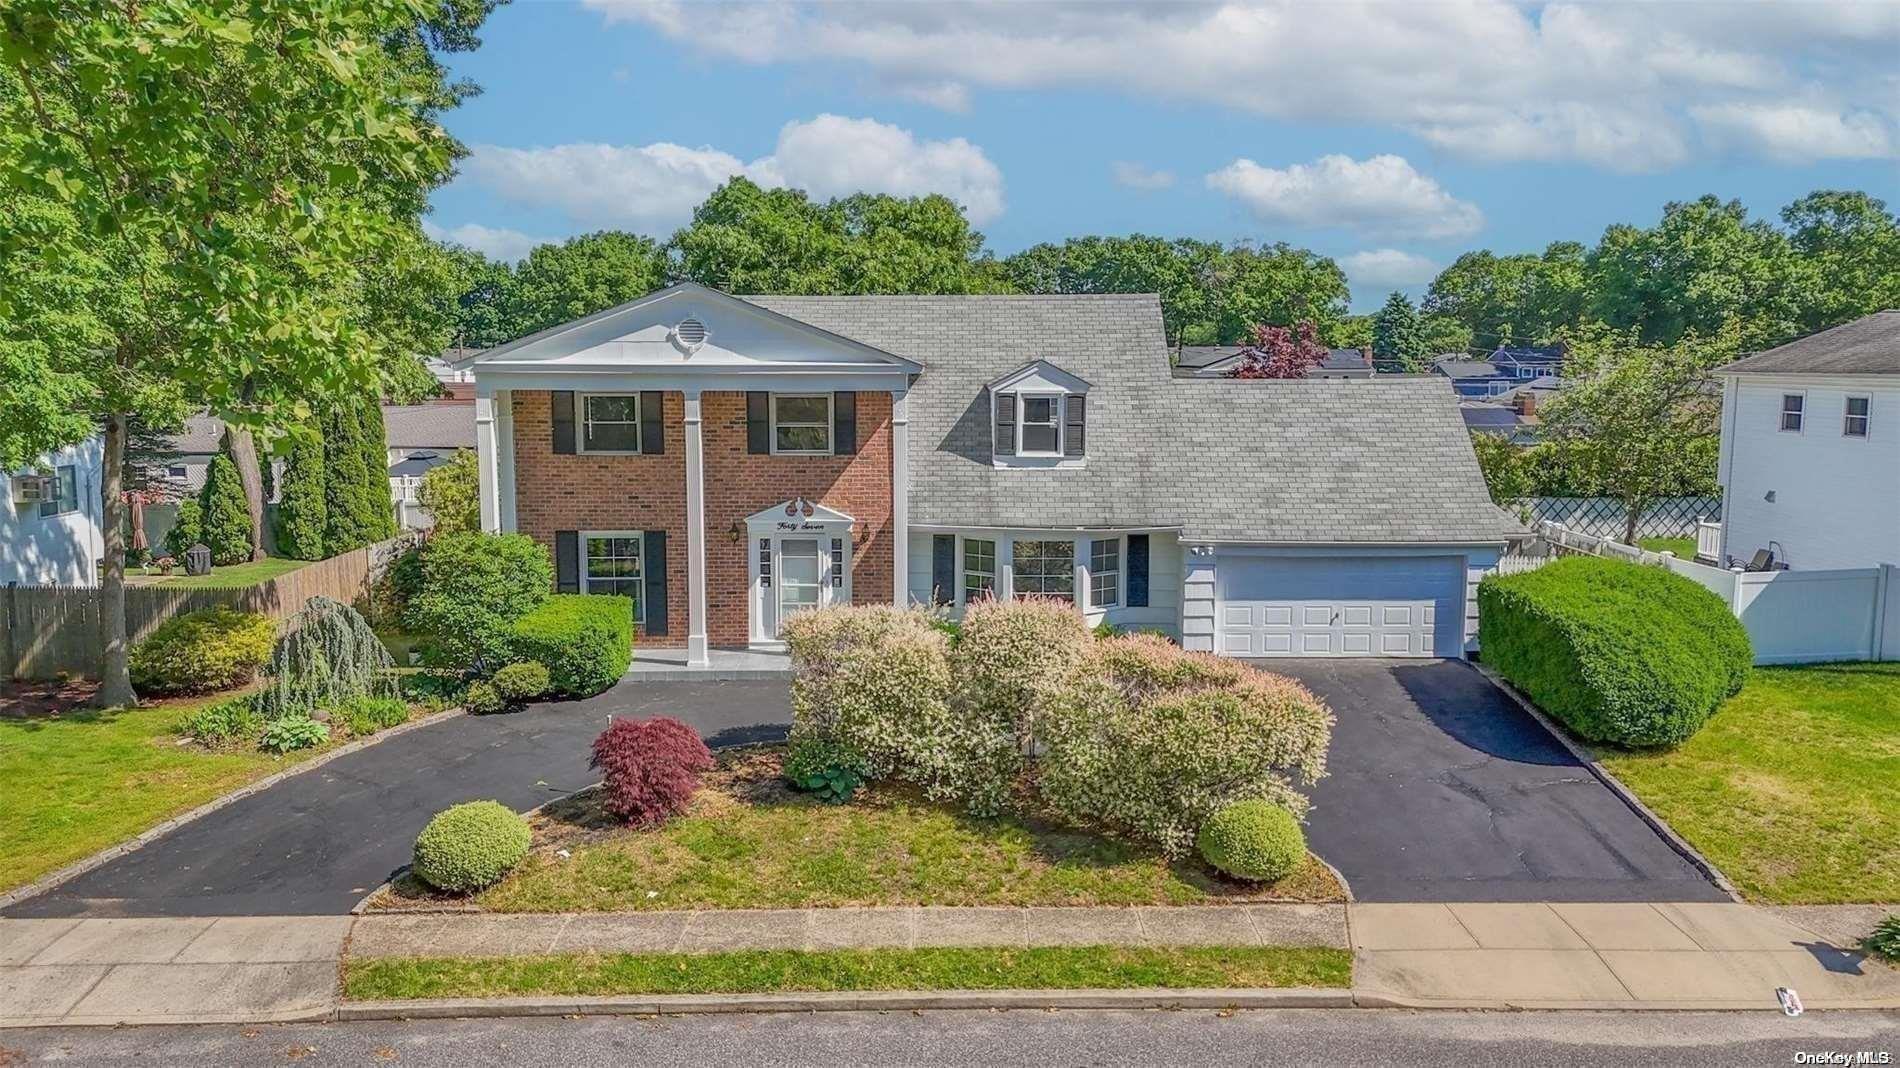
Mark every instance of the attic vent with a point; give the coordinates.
(690, 332)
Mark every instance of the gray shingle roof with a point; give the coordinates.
(1194, 357)
(1869, 345)
(1467, 369)
(429, 426)
(1385, 460)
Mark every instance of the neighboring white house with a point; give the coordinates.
(51, 521)
(1810, 461)
(418, 437)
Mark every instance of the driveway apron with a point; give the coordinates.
(1440, 788)
(317, 842)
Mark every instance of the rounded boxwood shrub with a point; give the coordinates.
(470, 846)
(649, 768)
(1253, 840)
(524, 681)
(1624, 653)
(586, 641)
(199, 652)
(482, 698)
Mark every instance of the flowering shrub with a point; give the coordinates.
(1011, 659)
(650, 768)
(876, 679)
(1151, 741)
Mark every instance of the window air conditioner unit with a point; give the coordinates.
(35, 489)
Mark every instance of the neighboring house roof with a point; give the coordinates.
(1530, 353)
(1313, 460)
(1467, 370)
(416, 463)
(429, 426)
(1869, 345)
(1489, 417)
(203, 435)
(1211, 357)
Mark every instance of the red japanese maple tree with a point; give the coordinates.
(1281, 352)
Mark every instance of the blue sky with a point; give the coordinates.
(1391, 137)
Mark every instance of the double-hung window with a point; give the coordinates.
(611, 563)
(1857, 414)
(1105, 572)
(1044, 569)
(1039, 432)
(979, 569)
(1793, 406)
(610, 422)
(66, 479)
(801, 424)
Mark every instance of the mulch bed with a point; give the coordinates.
(28, 699)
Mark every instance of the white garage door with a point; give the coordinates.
(1339, 605)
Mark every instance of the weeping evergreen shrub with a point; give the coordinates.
(327, 658)
(226, 511)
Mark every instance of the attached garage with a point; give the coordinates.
(1267, 604)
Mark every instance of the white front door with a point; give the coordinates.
(801, 582)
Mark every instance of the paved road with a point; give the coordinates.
(1308, 1036)
(1442, 789)
(319, 841)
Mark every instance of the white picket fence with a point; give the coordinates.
(1792, 617)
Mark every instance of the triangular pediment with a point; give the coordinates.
(686, 327)
(798, 510)
(1040, 376)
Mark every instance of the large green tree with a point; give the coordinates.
(1179, 270)
(1849, 245)
(1397, 342)
(578, 277)
(213, 193)
(226, 522)
(1519, 299)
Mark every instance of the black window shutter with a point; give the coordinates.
(567, 560)
(1137, 570)
(653, 568)
(652, 430)
(943, 568)
(1075, 442)
(1006, 424)
(561, 403)
(758, 423)
(844, 423)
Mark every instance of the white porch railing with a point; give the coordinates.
(1708, 541)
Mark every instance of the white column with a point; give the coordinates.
(695, 535)
(487, 475)
(505, 458)
(1081, 575)
(900, 497)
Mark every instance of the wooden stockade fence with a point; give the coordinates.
(47, 630)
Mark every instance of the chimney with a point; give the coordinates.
(1526, 402)
(1365, 355)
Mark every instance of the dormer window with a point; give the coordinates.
(1040, 415)
(1039, 433)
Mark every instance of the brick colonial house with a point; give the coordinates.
(729, 461)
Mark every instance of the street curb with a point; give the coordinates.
(1588, 759)
(81, 867)
(846, 1001)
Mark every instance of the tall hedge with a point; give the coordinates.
(226, 522)
(1624, 653)
(300, 507)
(357, 506)
(473, 589)
(585, 641)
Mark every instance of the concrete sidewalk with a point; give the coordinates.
(1571, 956)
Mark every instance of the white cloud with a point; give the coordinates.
(944, 96)
(495, 242)
(1387, 268)
(1383, 195)
(1137, 176)
(1795, 133)
(1611, 83)
(654, 188)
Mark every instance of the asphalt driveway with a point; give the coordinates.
(1442, 789)
(317, 842)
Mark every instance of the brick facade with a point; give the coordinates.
(593, 492)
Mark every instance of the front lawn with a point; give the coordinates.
(749, 842)
(246, 574)
(1792, 789)
(759, 971)
(83, 780)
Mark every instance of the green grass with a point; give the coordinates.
(762, 971)
(83, 781)
(1684, 548)
(1793, 788)
(244, 574)
(748, 842)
